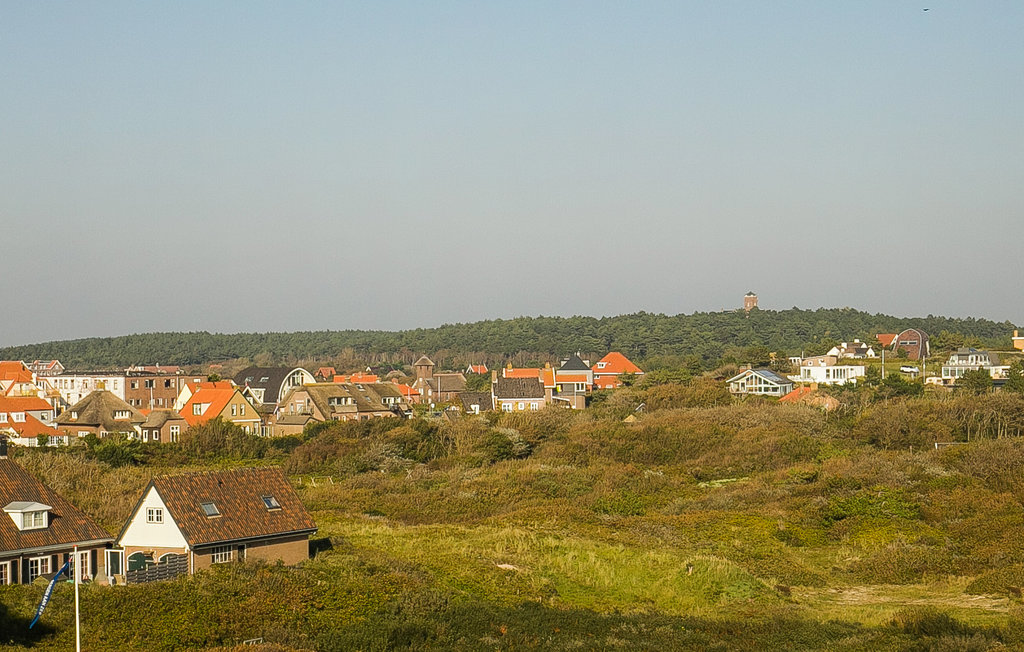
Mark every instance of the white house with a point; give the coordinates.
(855, 349)
(825, 370)
(969, 359)
(73, 387)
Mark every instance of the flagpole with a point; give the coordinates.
(78, 578)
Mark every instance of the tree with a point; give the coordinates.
(1015, 378)
(895, 386)
(975, 381)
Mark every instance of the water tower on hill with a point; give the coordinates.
(749, 301)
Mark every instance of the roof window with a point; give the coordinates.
(271, 503)
(210, 508)
(28, 515)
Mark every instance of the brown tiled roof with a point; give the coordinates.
(157, 418)
(238, 495)
(507, 388)
(448, 382)
(67, 524)
(469, 399)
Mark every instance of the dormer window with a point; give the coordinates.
(18, 417)
(3, 417)
(210, 509)
(270, 502)
(29, 515)
(74, 415)
(122, 414)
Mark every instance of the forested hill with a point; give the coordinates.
(709, 335)
(641, 336)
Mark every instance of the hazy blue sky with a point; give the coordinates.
(245, 166)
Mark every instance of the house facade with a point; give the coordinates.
(763, 382)
(197, 520)
(221, 399)
(518, 394)
(268, 385)
(608, 369)
(40, 529)
(153, 391)
(162, 426)
(856, 349)
(914, 342)
(825, 370)
(340, 402)
(24, 418)
(74, 386)
(967, 359)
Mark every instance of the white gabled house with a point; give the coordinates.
(764, 382)
(185, 523)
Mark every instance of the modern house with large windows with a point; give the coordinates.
(190, 522)
(762, 382)
(39, 529)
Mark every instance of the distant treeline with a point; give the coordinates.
(642, 336)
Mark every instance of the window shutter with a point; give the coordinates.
(55, 563)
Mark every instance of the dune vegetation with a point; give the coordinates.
(701, 524)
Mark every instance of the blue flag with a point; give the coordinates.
(48, 591)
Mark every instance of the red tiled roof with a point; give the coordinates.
(796, 394)
(523, 372)
(363, 378)
(616, 363)
(217, 397)
(15, 370)
(238, 496)
(477, 368)
(406, 390)
(67, 525)
(886, 339)
(23, 404)
(572, 378)
(31, 427)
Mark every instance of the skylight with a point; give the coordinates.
(271, 503)
(210, 509)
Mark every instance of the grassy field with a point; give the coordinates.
(743, 526)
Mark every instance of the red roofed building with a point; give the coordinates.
(610, 367)
(212, 400)
(886, 339)
(476, 369)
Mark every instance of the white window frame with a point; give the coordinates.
(42, 567)
(5, 572)
(154, 515)
(85, 558)
(110, 554)
(175, 431)
(34, 520)
(222, 554)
